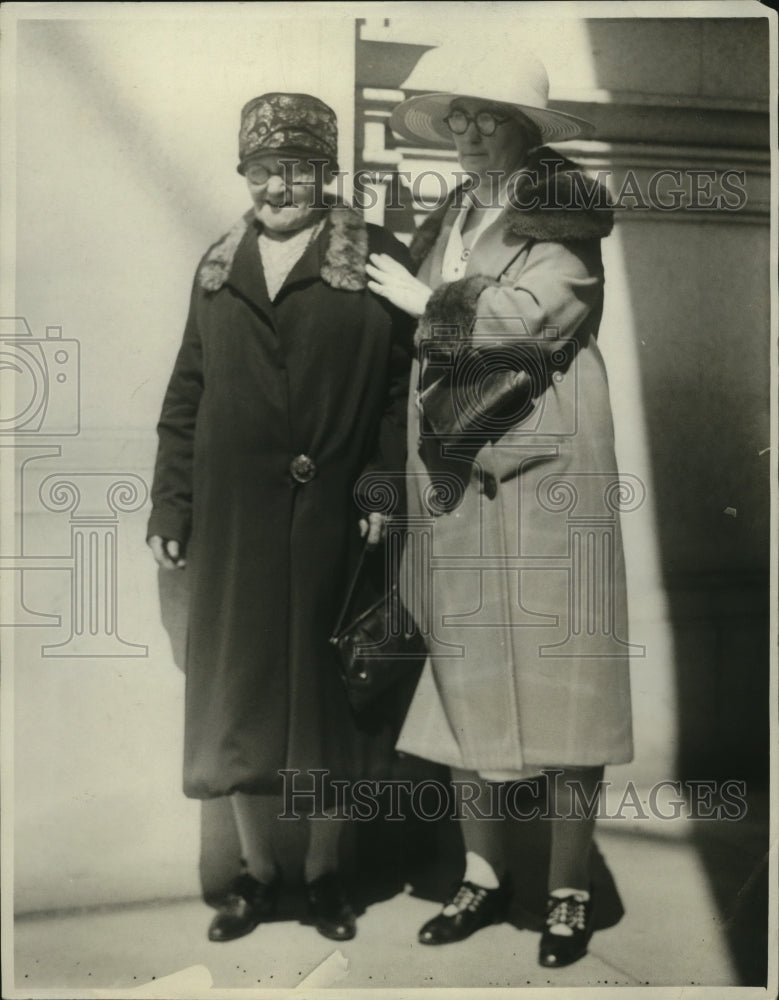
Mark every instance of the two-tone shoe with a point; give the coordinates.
(569, 925)
(470, 908)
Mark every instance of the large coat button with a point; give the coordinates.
(302, 468)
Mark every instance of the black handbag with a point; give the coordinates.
(477, 398)
(380, 646)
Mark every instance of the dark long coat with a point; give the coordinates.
(321, 372)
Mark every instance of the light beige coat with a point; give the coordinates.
(521, 588)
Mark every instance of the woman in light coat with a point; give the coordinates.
(514, 566)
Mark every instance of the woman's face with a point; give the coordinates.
(285, 191)
(502, 152)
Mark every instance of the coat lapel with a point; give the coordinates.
(338, 257)
(494, 251)
(308, 267)
(246, 275)
(552, 188)
(430, 271)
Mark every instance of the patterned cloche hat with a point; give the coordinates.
(288, 123)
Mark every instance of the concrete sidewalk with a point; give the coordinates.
(694, 896)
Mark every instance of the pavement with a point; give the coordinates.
(681, 903)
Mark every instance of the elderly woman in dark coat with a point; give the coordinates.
(522, 595)
(291, 382)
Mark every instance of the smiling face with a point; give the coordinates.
(286, 191)
(504, 151)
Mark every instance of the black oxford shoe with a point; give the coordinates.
(247, 903)
(329, 909)
(476, 908)
(574, 912)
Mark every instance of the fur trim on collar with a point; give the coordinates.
(553, 199)
(215, 268)
(346, 252)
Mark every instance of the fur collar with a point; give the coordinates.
(563, 204)
(344, 260)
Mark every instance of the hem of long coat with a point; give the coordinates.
(297, 804)
(427, 733)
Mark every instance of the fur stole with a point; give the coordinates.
(345, 256)
(553, 199)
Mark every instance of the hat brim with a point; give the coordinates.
(420, 119)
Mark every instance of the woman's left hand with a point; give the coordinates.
(392, 281)
(374, 526)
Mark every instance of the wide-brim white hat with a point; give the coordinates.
(518, 82)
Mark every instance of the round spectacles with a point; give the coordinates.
(486, 121)
(290, 171)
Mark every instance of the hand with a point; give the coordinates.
(167, 552)
(392, 281)
(374, 526)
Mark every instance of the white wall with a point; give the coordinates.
(127, 144)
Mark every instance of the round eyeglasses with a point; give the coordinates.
(486, 121)
(290, 171)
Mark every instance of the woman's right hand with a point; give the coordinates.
(167, 552)
(390, 280)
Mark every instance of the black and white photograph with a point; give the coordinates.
(388, 555)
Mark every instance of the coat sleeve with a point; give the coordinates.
(533, 320)
(544, 298)
(171, 492)
(389, 457)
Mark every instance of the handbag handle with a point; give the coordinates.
(349, 594)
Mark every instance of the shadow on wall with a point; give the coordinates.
(700, 312)
(705, 401)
